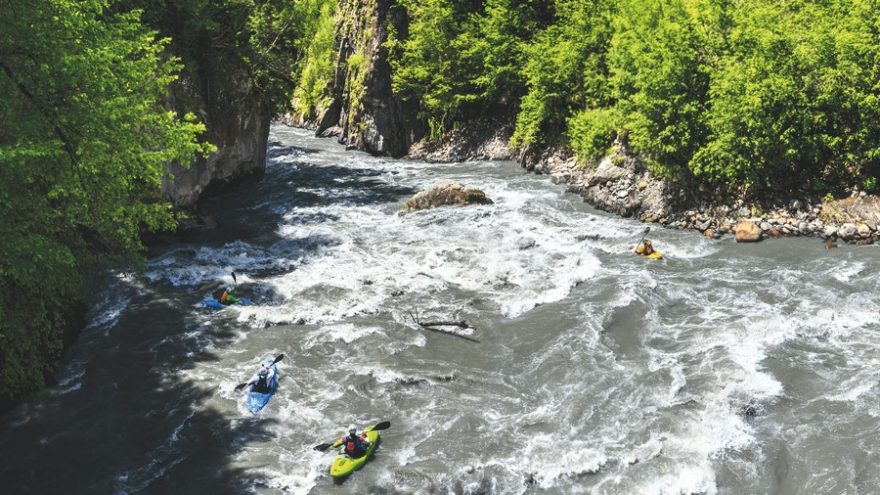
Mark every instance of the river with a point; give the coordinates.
(586, 369)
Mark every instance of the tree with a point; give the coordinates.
(83, 144)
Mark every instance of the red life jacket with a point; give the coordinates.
(351, 445)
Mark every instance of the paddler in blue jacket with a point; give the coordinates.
(263, 377)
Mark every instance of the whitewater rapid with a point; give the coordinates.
(585, 368)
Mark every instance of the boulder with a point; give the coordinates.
(862, 209)
(747, 231)
(448, 193)
(847, 231)
(607, 171)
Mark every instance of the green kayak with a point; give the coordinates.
(343, 465)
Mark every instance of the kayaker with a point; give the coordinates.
(645, 247)
(262, 378)
(228, 296)
(354, 445)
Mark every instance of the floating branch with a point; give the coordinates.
(437, 326)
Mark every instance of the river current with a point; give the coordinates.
(722, 369)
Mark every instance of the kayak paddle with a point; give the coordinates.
(234, 279)
(384, 425)
(243, 385)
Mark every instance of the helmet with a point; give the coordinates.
(648, 242)
(640, 249)
(231, 289)
(352, 429)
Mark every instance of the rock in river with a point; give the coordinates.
(447, 193)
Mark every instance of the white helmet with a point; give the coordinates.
(352, 429)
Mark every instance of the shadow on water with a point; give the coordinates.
(137, 423)
(290, 182)
(134, 421)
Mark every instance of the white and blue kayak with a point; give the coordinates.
(215, 304)
(256, 401)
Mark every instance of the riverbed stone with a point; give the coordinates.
(747, 231)
(448, 193)
(847, 231)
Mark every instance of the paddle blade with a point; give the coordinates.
(240, 386)
(234, 279)
(384, 425)
(279, 358)
(323, 447)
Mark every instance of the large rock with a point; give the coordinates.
(609, 169)
(219, 89)
(478, 140)
(371, 116)
(863, 209)
(449, 193)
(747, 231)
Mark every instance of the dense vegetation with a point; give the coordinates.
(85, 134)
(755, 95)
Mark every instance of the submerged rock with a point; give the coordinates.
(448, 193)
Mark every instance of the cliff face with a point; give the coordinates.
(221, 94)
(364, 111)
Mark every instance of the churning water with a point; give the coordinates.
(732, 369)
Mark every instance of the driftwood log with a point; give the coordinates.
(437, 326)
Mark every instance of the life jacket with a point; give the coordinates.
(353, 445)
(262, 383)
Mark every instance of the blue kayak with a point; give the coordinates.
(256, 401)
(215, 304)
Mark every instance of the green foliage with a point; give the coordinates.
(318, 66)
(565, 70)
(592, 132)
(216, 38)
(462, 58)
(658, 82)
(83, 145)
(796, 95)
(753, 94)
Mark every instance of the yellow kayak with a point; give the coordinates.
(344, 465)
(656, 255)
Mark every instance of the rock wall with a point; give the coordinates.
(221, 93)
(363, 111)
(481, 140)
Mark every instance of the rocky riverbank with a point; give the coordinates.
(622, 184)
